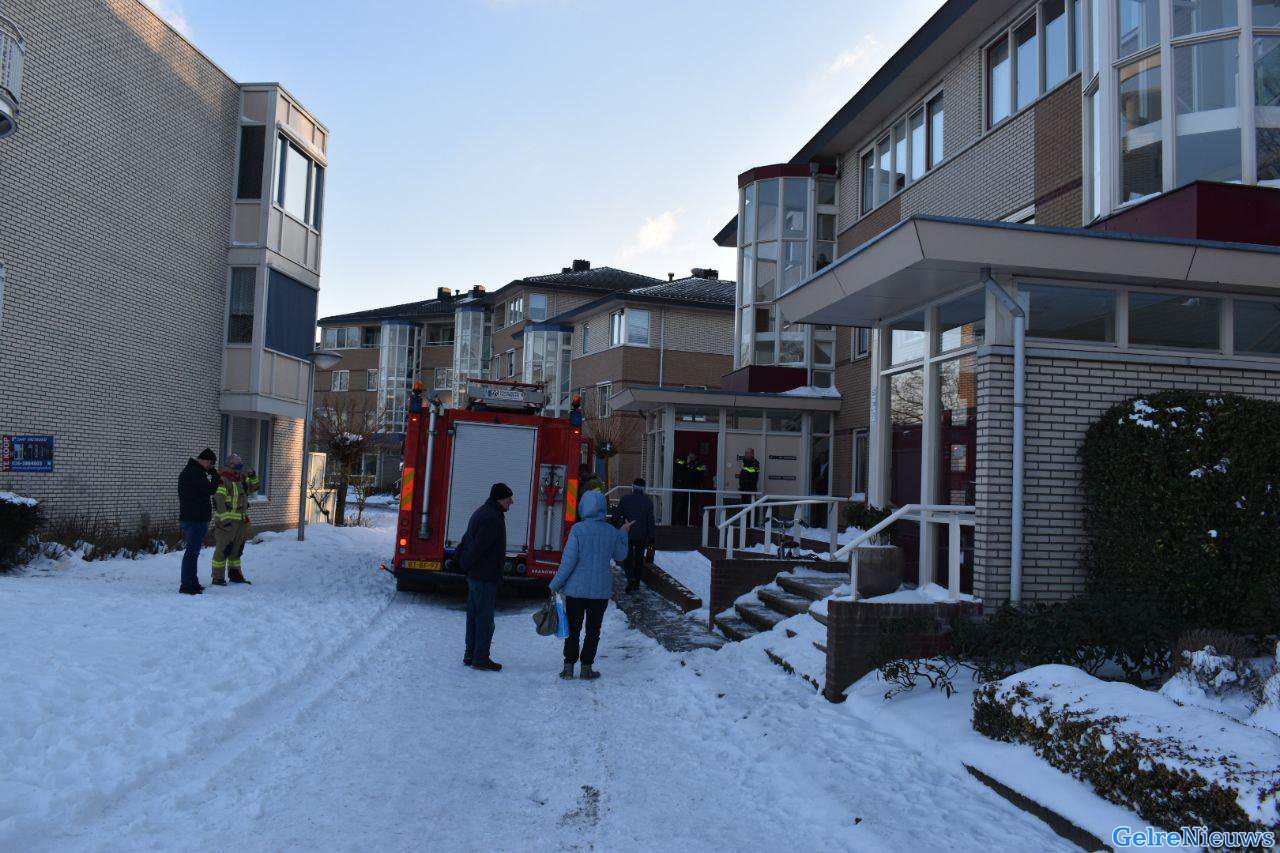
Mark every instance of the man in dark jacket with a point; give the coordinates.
(196, 485)
(481, 554)
(637, 507)
(749, 476)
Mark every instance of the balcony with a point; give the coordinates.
(12, 50)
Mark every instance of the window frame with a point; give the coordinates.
(925, 106)
(546, 307)
(231, 304)
(1075, 58)
(628, 314)
(340, 380)
(860, 343)
(313, 204)
(371, 379)
(603, 389)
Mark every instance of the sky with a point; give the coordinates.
(479, 141)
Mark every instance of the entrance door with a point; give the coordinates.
(687, 509)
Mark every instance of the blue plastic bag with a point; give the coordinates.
(562, 620)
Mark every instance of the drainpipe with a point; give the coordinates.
(424, 529)
(662, 341)
(1019, 426)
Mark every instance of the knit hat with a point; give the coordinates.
(638, 483)
(208, 454)
(234, 462)
(499, 491)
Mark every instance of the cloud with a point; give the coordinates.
(655, 233)
(172, 12)
(860, 59)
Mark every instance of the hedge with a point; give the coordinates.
(19, 520)
(1174, 766)
(1182, 505)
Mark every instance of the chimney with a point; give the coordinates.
(699, 272)
(564, 270)
(671, 276)
(581, 266)
(477, 291)
(444, 294)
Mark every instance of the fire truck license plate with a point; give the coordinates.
(426, 565)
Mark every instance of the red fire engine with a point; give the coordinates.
(453, 456)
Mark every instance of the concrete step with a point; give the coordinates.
(733, 626)
(812, 588)
(819, 616)
(786, 603)
(757, 615)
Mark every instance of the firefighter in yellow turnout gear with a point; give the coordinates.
(231, 520)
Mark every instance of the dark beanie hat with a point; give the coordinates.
(207, 453)
(499, 491)
(638, 482)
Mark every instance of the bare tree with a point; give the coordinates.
(343, 430)
(615, 434)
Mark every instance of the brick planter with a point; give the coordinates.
(670, 589)
(879, 570)
(853, 628)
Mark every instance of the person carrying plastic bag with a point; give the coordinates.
(586, 580)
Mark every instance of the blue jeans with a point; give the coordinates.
(482, 597)
(195, 531)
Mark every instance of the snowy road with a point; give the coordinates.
(393, 745)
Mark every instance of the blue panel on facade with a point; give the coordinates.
(291, 316)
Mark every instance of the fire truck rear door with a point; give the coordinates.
(484, 454)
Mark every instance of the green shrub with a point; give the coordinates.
(1090, 632)
(864, 516)
(19, 521)
(1169, 783)
(1182, 504)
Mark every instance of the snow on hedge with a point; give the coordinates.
(1175, 765)
(10, 497)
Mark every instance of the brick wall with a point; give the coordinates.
(113, 232)
(1058, 157)
(1065, 395)
(694, 331)
(280, 510)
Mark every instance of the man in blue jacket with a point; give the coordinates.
(586, 579)
(637, 508)
(481, 553)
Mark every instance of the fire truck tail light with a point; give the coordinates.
(403, 542)
(406, 491)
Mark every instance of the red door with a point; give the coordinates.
(687, 509)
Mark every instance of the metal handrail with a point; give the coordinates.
(957, 516)
(766, 502)
(672, 491)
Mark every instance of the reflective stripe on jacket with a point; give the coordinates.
(229, 501)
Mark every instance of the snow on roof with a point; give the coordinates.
(812, 391)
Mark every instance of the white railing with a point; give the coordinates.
(954, 517)
(747, 513)
(663, 492)
(12, 50)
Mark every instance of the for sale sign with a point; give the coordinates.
(26, 453)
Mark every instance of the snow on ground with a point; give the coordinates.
(691, 568)
(928, 594)
(319, 710)
(109, 675)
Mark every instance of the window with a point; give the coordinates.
(586, 327)
(825, 191)
(861, 458)
(1139, 25)
(1141, 161)
(1094, 178)
(342, 337)
(443, 378)
(861, 342)
(440, 334)
(250, 438)
(962, 322)
(907, 339)
(748, 420)
(299, 184)
(602, 399)
(340, 380)
(795, 207)
(784, 421)
(913, 146)
(1070, 313)
(537, 307)
(617, 329)
(637, 327)
(369, 337)
(240, 308)
(1026, 63)
(291, 316)
(1266, 95)
(697, 415)
(1170, 320)
(500, 315)
(509, 359)
(999, 75)
(1205, 82)
(1201, 16)
(1057, 59)
(767, 210)
(1257, 327)
(371, 379)
(766, 272)
(253, 143)
(515, 310)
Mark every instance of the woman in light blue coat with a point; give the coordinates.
(586, 579)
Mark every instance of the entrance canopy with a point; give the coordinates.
(644, 398)
(926, 257)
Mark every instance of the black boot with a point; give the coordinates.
(487, 665)
(218, 582)
(190, 590)
(567, 672)
(237, 577)
(588, 674)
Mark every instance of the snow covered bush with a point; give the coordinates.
(1267, 714)
(1175, 766)
(1215, 680)
(1182, 499)
(20, 518)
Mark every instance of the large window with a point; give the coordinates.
(1257, 327)
(291, 316)
(913, 146)
(240, 306)
(340, 380)
(1170, 320)
(439, 334)
(1070, 313)
(1205, 95)
(343, 337)
(1139, 26)
(253, 142)
(1141, 130)
(603, 390)
(1032, 57)
(630, 326)
(907, 339)
(398, 365)
(299, 184)
(962, 322)
(1266, 98)
(250, 438)
(369, 337)
(515, 311)
(547, 354)
(537, 307)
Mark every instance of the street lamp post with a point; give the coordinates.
(322, 359)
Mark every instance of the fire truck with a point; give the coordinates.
(452, 456)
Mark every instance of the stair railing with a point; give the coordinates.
(951, 515)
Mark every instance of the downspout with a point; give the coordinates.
(1019, 427)
(662, 342)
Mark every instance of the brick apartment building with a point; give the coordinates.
(160, 242)
(1077, 198)
(584, 330)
